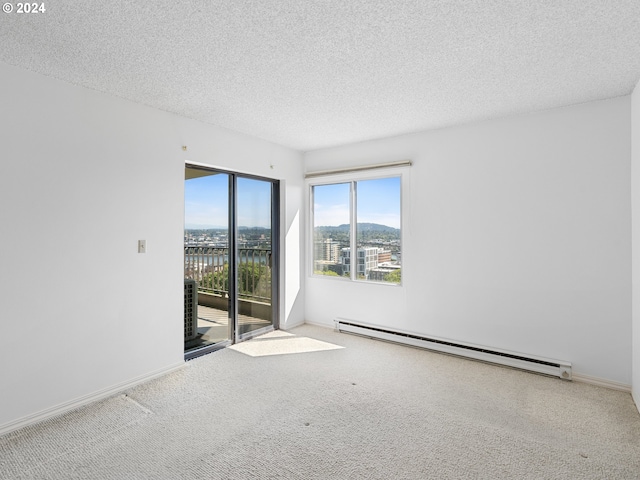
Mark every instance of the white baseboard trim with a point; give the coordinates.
(292, 325)
(323, 325)
(85, 400)
(601, 382)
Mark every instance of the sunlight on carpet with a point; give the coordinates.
(282, 343)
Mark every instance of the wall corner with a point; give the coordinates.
(635, 248)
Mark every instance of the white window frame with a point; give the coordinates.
(352, 178)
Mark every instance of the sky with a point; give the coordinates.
(206, 202)
(378, 201)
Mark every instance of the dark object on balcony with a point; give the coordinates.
(190, 309)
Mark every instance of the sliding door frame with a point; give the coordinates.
(275, 259)
(233, 308)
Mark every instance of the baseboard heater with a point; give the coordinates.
(542, 365)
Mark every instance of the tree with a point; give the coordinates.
(254, 279)
(393, 277)
(328, 273)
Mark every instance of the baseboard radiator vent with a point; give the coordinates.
(545, 366)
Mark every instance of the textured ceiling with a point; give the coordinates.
(315, 73)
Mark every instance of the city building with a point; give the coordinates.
(381, 272)
(367, 259)
(384, 256)
(327, 250)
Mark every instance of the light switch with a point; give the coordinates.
(142, 246)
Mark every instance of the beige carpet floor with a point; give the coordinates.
(315, 404)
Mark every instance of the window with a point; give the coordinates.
(361, 215)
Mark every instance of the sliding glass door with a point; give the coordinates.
(206, 259)
(255, 255)
(230, 258)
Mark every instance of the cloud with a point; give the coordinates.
(330, 215)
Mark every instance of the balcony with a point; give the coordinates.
(209, 267)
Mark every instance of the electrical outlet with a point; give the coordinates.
(142, 246)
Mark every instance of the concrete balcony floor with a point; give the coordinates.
(213, 326)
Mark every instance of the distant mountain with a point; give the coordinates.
(363, 227)
(205, 229)
(266, 229)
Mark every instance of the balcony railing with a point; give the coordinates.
(209, 266)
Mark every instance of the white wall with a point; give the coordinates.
(635, 205)
(83, 176)
(517, 236)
